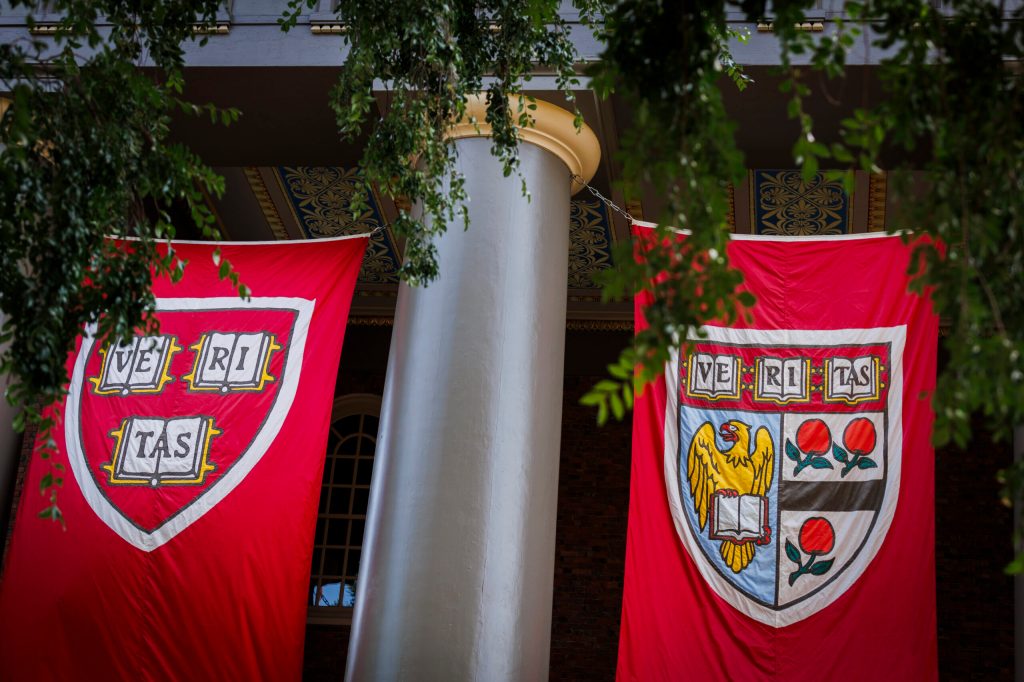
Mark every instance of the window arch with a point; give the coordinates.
(341, 514)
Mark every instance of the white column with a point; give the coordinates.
(457, 564)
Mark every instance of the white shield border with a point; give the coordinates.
(209, 498)
(896, 336)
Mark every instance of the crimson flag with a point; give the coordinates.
(781, 501)
(192, 462)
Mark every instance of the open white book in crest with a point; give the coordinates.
(738, 517)
(228, 362)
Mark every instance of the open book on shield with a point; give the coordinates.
(740, 518)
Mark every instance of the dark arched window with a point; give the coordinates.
(341, 516)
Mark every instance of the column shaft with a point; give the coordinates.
(456, 575)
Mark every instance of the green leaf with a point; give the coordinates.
(821, 567)
(45, 482)
(820, 463)
(620, 372)
(792, 552)
(618, 409)
(792, 452)
(839, 454)
(866, 463)
(592, 399)
(1016, 566)
(810, 168)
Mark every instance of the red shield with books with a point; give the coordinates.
(190, 461)
(163, 427)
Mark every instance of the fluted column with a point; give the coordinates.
(458, 556)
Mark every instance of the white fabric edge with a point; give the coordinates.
(894, 405)
(782, 237)
(291, 372)
(275, 242)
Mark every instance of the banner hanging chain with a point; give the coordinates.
(573, 176)
(607, 202)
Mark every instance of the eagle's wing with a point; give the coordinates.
(702, 470)
(763, 462)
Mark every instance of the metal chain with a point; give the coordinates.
(607, 202)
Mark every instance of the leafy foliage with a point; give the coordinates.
(432, 55)
(85, 155)
(681, 145)
(949, 130)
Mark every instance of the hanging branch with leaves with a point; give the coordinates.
(84, 154)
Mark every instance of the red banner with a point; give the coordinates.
(192, 462)
(781, 519)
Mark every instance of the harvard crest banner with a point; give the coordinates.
(192, 463)
(781, 501)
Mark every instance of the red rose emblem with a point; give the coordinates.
(813, 437)
(859, 436)
(817, 536)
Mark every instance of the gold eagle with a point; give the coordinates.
(737, 470)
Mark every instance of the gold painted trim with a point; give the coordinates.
(330, 28)
(267, 207)
(552, 129)
(877, 190)
(635, 208)
(752, 200)
(811, 26)
(44, 29)
(599, 325)
(221, 28)
(371, 321)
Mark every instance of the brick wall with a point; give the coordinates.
(972, 545)
(326, 651)
(590, 545)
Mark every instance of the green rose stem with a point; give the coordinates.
(803, 568)
(813, 437)
(816, 537)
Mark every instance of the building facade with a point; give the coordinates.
(501, 497)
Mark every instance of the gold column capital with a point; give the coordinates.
(552, 129)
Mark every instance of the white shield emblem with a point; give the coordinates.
(782, 461)
(161, 429)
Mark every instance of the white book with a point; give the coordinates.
(139, 366)
(713, 376)
(154, 451)
(852, 380)
(232, 362)
(738, 517)
(782, 380)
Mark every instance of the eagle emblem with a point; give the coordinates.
(730, 488)
(782, 461)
